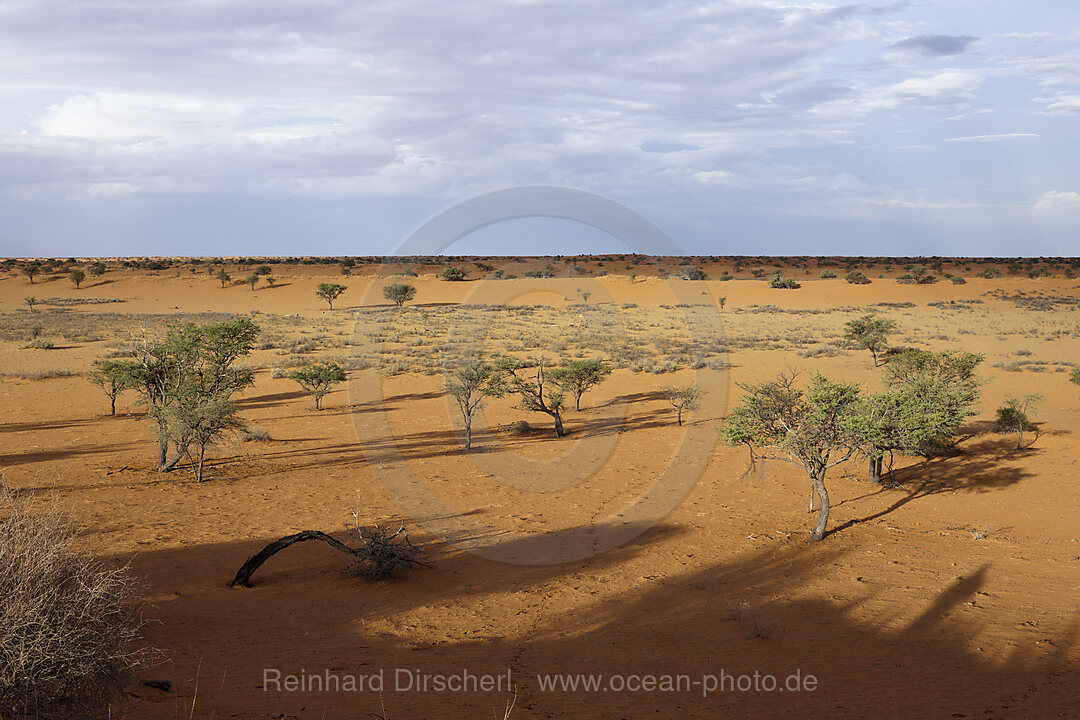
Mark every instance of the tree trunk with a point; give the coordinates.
(318, 403)
(113, 410)
(243, 575)
(167, 465)
(559, 432)
(199, 467)
(818, 482)
(577, 402)
(468, 434)
(874, 474)
(678, 416)
(874, 353)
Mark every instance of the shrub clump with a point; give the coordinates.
(71, 627)
(827, 274)
(856, 277)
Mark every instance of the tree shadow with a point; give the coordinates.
(762, 612)
(981, 467)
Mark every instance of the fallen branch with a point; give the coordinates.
(243, 575)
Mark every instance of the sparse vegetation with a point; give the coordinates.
(223, 277)
(77, 276)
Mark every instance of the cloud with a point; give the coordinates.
(1057, 201)
(936, 45)
(991, 138)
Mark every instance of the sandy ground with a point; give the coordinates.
(953, 595)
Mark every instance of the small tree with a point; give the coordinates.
(683, 398)
(113, 377)
(399, 293)
(31, 301)
(269, 280)
(470, 385)
(31, 269)
(778, 421)
(194, 425)
(252, 280)
(1074, 376)
(870, 332)
(330, 292)
(453, 274)
(927, 397)
(721, 301)
(1013, 418)
(77, 276)
(97, 269)
(318, 379)
(580, 376)
(539, 392)
(223, 277)
(827, 274)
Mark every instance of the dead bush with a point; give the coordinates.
(71, 628)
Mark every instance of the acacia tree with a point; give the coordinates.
(31, 301)
(252, 280)
(77, 275)
(778, 421)
(31, 269)
(539, 392)
(579, 376)
(927, 397)
(470, 385)
(195, 425)
(683, 398)
(1013, 418)
(223, 277)
(318, 379)
(191, 367)
(870, 332)
(399, 293)
(330, 292)
(113, 377)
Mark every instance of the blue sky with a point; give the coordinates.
(743, 127)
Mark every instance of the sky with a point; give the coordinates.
(294, 127)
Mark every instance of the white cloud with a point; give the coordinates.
(1058, 201)
(991, 138)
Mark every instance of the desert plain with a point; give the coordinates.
(950, 592)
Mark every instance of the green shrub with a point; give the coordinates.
(856, 277)
(827, 274)
(453, 274)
